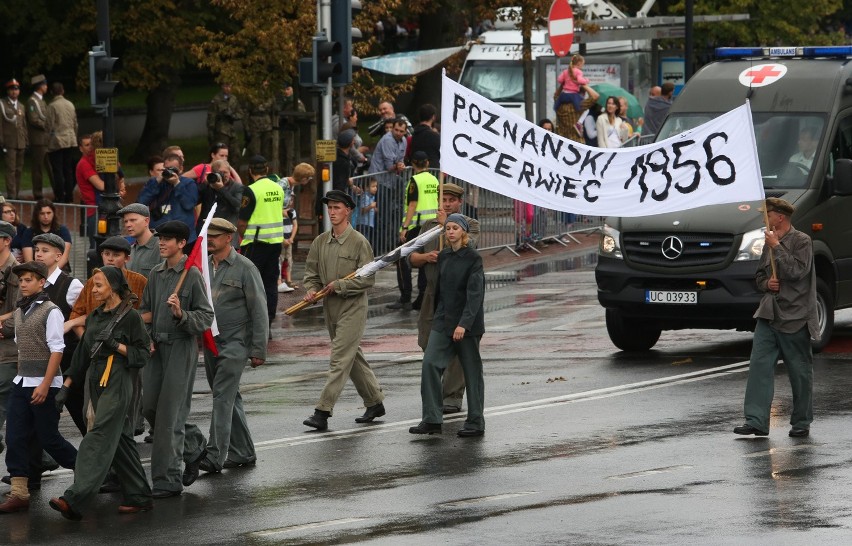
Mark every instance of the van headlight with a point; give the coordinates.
(609, 243)
(752, 245)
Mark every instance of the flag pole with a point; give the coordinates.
(441, 204)
(318, 296)
(768, 228)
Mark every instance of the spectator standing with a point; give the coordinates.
(259, 126)
(37, 134)
(425, 138)
(44, 220)
(386, 165)
(609, 124)
(219, 150)
(13, 136)
(170, 196)
(62, 133)
(657, 108)
(218, 187)
(337, 120)
(367, 216)
(10, 215)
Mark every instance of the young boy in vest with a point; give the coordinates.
(32, 409)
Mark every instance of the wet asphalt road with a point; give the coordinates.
(584, 445)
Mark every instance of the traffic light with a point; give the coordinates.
(342, 12)
(101, 85)
(324, 66)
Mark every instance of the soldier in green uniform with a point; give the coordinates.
(240, 304)
(334, 255)
(177, 314)
(124, 344)
(37, 132)
(427, 259)
(224, 111)
(13, 136)
(259, 126)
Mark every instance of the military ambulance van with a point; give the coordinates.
(695, 269)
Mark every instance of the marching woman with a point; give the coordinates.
(114, 346)
(457, 328)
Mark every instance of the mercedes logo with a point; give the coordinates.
(672, 247)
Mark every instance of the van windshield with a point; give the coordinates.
(500, 81)
(786, 144)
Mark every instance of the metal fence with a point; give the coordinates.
(506, 224)
(74, 218)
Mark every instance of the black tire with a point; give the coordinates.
(632, 335)
(825, 315)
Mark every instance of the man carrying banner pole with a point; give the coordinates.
(331, 259)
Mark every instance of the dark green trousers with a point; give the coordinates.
(439, 351)
(795, 349)
(109, 443)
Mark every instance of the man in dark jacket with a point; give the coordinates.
(425, 138)
(657, 109)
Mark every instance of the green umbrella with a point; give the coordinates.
(634, 110)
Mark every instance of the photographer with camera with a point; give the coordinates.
(170, 196)
(221, 189)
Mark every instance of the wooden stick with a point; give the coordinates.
(182, 278)
(318, 296)
(771, 254)
(440, 204)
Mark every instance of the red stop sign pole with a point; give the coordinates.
(560, 27)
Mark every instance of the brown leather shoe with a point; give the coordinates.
(14, 504)
(61, 505)
(134, 509)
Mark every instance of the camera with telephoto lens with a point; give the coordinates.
(214, 178)
(169, 173)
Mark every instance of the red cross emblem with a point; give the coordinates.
(762, 74)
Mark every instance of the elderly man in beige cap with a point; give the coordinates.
(786, 322)
(37, 132)
(427, 258)
(239, 301)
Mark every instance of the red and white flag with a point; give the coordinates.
(198, 258)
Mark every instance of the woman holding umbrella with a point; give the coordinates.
(609, 125)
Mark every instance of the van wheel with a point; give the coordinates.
(825, 315)
(630, 334)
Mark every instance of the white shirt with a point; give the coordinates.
(55, 342)
(74, 288)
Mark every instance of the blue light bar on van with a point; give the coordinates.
(802, 52)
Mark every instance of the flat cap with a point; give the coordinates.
(419, 155)
(33, 267)
(340, 197)
(452, 189)
(258, 160)
(7, 230)
(115, 243)
(37, 80)
(173, 228)
(135, 208)
(345, 138)
(778, 205)
(220, 225)
(51, 239)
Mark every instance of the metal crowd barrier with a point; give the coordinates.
(504, 222)
(73, 217)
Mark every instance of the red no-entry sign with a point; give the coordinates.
(560, 27)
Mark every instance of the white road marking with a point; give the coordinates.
(650, 472)
(303, 527)
(489, 498)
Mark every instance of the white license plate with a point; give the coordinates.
(671, 297)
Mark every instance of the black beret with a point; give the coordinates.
(115, 243)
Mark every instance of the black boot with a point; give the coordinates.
(319, 420)
(372, 412)
(426, 428)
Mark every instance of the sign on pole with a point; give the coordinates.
(106, 160)
(560, 27)
(326, 151)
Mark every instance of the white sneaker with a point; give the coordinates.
(284, 287)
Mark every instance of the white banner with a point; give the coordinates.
(486, 145)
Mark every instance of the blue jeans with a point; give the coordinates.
(26, 423)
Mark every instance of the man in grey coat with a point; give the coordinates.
(239, 300)
(62, 143)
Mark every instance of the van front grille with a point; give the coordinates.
(677, 249)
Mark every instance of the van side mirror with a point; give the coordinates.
(842, 177)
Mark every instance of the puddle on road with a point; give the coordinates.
(498, 279)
